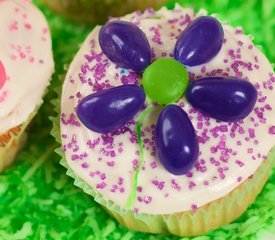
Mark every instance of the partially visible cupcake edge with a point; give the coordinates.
(14, 139)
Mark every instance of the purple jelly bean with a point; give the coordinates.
(108, 110)
(200, 42)
(176, 140)
(126, 45)
(223, 98)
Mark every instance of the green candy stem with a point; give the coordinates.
(133, 194)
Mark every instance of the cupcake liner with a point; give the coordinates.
(98, 11)
(12, 141)
(191, 223)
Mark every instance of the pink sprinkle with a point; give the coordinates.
(14, 26)
(175, 185)
(272, 130)
(120, 181)
(222, 176)
(140, 199)
(135, 163)
(194, 207)
(250, 150)
(102, 176)
(31, 59)
(111, 164)
(22, 55)
(239, 179)
(206, 183)
(191, 185)
(251, 132)
(240, 163)
(239, 143)
(85, 165)
(161, 185)
(147, 199)
(28, 26)
(101, 185)
(153, 164)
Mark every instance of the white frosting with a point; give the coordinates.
(108, 164)
(26, 53)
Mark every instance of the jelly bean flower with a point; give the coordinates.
(164, 82)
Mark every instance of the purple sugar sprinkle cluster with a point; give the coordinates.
(156, 34)
(70, 120)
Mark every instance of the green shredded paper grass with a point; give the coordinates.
(39, 201)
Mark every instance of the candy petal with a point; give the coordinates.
(125, 45)
(176, 140)
(106, 111)
(200, 42)
(223, 98)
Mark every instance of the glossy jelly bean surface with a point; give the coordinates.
(225, 99)
(200, 42)
(176, 140)
(106, 111)
(126, 45)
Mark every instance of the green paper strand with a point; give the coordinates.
(133, 194)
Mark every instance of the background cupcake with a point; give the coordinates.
(45, 188)
(26, 66)
(96, 11)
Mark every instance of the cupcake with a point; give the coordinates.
(26, 66)
(167, 120)
(95, 11)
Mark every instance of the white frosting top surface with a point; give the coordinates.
(229, 152)
(26, 54)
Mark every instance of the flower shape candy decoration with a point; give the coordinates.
(3, 76)
(164, 81)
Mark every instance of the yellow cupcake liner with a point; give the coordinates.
(98, 11)
(12, 141)
(191, 223)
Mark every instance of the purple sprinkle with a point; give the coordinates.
(191, 185)
(239, 179)
(147, 199)
(85, 165)
(239, 163)
(271, 130)
(111, 164)
(194, 207)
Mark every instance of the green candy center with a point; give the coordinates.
(165, 80)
